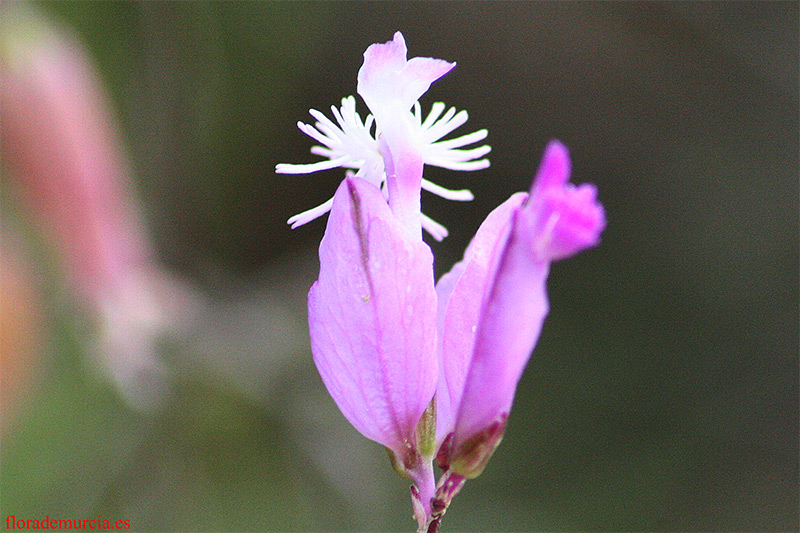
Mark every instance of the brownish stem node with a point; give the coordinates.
(449, 485)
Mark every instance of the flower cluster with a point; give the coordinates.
(429, 370)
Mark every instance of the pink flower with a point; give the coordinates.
(383, 337)
(492, 305)
(372, 323)
(372, 313)
(69, 171)
(65, 157)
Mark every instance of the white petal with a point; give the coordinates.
(433, 153)
(436, 110)
(436, 230)
(325, 152)
(446, 124)
(307, 216)
(459, 165)
(327, 127)
(464, 195)
(368, 124)
(318, 136)
(417, 112)
(464, 140)
(287, 168)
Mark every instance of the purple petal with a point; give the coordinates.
(510, 323)
(372, 317)
(560, 219)
(461, 294)
(557, 220)
(555, 168)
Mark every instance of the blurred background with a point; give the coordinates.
(155, 358)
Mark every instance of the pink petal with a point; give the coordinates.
(560, 219)
(557, 220)
(389, 83)
(461, 295)
(403, 179)
(510, 323)
(372, 317)
(555, 168)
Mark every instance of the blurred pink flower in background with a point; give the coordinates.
(68, 170)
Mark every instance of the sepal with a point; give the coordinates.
(426, 431)
(471, 457)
